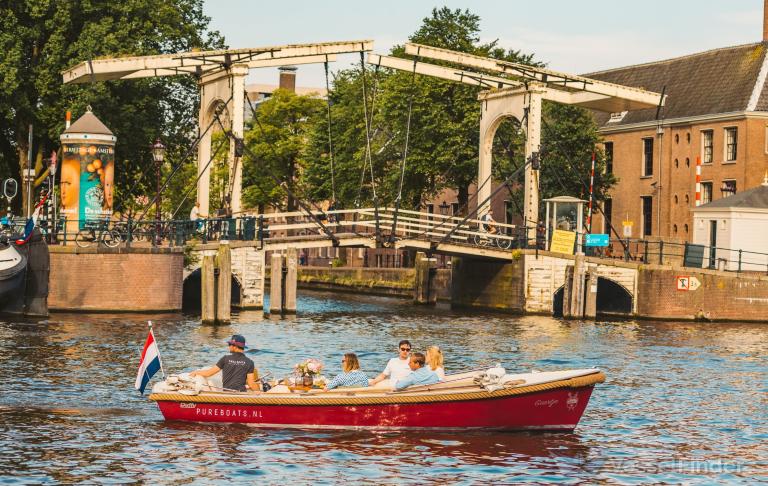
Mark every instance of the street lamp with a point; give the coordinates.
(158, 153)
(444, 208)
(728, 188)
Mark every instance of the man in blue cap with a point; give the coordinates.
(236, 368)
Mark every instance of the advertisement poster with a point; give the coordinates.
(87, 182)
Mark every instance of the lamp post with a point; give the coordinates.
(444, 208)
(158, 154)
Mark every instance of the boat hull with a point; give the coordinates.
(557, 409)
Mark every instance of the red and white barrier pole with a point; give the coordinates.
(698, 181)
(591, 191)
(69, 119)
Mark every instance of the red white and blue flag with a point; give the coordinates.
(31, 222)
(150, 362)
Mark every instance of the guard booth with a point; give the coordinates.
(564, 213)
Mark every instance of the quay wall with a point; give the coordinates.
(529, 283)
(721, 297)
(115, 280)
(396, 282)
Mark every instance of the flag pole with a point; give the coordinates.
(158, 349)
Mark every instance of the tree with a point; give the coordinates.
(40, 39)
(277, 137)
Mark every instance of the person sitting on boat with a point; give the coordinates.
(237, 370)
(435, 361)
(420, 374)
(397, 368)
(351, 377)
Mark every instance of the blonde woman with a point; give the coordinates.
(435, 361)
(352, 376)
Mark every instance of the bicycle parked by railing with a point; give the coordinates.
(484, 238)
(98, 232)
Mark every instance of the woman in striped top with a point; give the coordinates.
(351, 377)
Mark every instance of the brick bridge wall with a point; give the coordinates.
(123, 280)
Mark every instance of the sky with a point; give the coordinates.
(574, 36)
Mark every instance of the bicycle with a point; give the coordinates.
(98, 233)
(489, 240)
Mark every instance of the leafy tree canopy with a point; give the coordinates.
(41, 38)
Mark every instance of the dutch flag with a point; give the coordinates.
(150, 362)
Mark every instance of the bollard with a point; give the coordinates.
(590, 303)
(276, 284)
(224, 283)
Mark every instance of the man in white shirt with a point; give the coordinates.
(397, 368)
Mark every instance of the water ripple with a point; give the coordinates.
(684, 402)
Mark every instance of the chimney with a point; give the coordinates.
(765, 20)
(288, 76)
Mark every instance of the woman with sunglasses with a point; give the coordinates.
(397, 368)
(351, 377)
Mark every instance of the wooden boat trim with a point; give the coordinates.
(347, 397)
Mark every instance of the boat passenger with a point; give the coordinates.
(420, 375)
(236, 368)
(435, 361)
(351, 377)
(397, 368)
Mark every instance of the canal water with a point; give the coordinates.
(684, 402)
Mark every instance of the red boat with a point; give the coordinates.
(553, 401)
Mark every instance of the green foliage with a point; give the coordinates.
(39, 39)
(277, 137)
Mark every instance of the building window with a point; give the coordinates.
(676, 199)
(687, 199)
(728, 188)
(706, 192)
(647, 157)
(706, 146)
(731, 144)
(677, 139)
(677, 163)
(609, 157)
(685, 227)
(430, 210)
(688, 137)
(607, 215)
(647, 203)
(454, 208)
(674, 229)
(509, 211)
(687, 162)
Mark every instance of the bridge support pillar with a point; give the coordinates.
(223, 283)
(290, 283)
(574, 291)
(276, 284)
(424, 289)
(208, 287)
(283, 282)
(590, 295)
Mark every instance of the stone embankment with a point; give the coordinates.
(397, 282)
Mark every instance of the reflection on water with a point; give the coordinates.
(684, 402)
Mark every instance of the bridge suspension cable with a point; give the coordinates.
(178, 165)
(368, 145)
(405, 148)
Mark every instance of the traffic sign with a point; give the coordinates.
(683, 282)
(597, 240)
(693, 283)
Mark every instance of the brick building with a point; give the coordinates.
(716, 110)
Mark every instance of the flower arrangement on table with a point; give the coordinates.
(308, 372)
